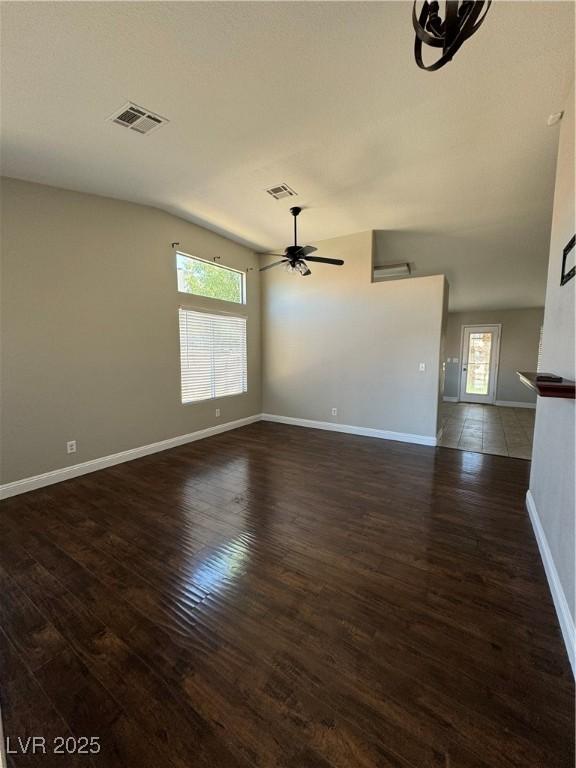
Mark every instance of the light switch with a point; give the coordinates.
(422, 367)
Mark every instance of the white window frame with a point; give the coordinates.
(193, 302)
(219, 266)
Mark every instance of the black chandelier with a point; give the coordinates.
(462, 20)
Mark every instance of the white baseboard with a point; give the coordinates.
(450, 399)
(382, 434)
(3, 760)
(514, 404)
(560, 603)
(66, 473)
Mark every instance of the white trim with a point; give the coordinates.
(382, 434)
(66, 473)
(3, 760)
(450, 399)
(514, 404)
(558, 596)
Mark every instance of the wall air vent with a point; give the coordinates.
(137, 119)
(280, 191)
(391, 271)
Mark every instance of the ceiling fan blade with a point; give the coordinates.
(275, 264)
(337, 262)
(273, 253)
(304, 251)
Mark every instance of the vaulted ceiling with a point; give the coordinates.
(323, 96)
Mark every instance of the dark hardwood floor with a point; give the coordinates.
(276, 596)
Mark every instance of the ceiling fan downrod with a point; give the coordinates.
(295, 210)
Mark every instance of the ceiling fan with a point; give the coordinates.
(296, 256)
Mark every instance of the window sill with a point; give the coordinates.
(214, 399)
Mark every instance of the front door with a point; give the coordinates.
(480, 353)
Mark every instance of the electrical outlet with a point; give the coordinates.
(422, 367)
(217, 411)
(71, 446)
(334, 411)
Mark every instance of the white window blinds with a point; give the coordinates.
(212, 355)
(539, 364)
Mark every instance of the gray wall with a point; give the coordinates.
(480, 260)
(518, 349)
(338, 340)
(90, 347)
(553, 460)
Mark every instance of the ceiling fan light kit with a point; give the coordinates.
(299, 268)
(296, 256)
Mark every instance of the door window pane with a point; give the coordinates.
(478, 373)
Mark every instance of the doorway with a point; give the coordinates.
(480, 352)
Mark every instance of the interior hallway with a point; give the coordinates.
(488, 429)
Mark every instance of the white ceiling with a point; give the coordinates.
(323, 96)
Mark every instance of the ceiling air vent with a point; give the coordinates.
(137, 119)
(280, 191)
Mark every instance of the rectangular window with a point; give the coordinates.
(212, 355)
(204, 278)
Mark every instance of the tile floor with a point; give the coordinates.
(488, 429)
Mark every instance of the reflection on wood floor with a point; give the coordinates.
(277, 596)
(488, 429)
